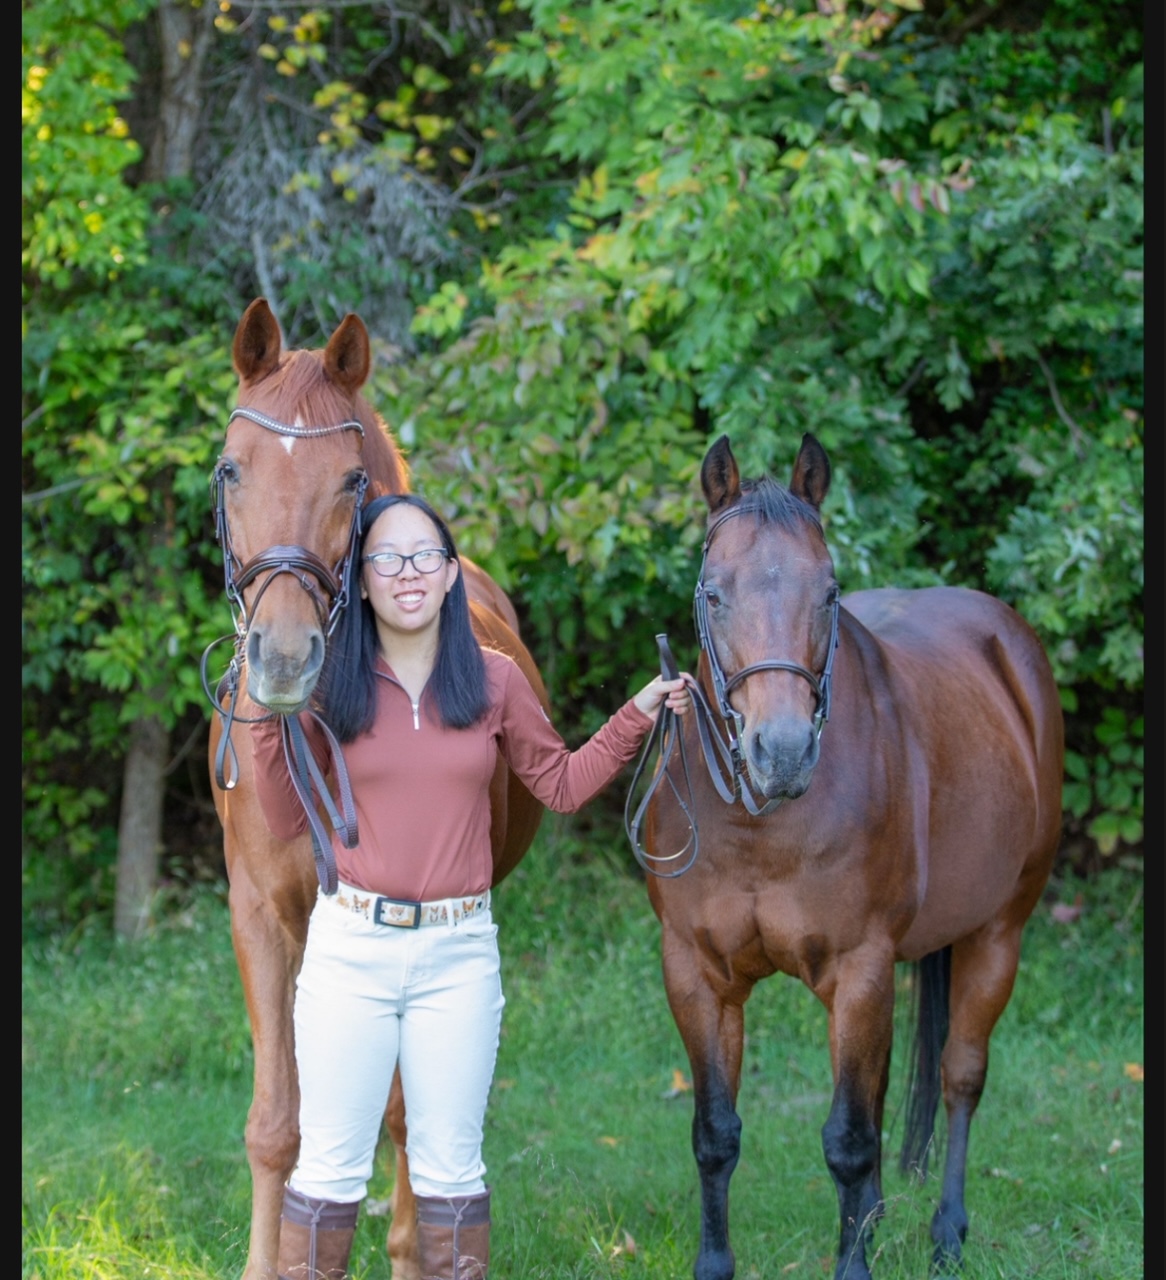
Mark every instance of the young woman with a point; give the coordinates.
(422, 712)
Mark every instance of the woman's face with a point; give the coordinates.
(410, 601)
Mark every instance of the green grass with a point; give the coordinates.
(136, 1080)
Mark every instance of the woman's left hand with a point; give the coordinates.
(672, 692)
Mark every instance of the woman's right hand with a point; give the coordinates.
(673, 693)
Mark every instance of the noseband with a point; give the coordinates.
(722, 755)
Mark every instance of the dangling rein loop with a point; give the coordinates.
(311, 788)
(222, 697)
(666, 733)
(307, 780)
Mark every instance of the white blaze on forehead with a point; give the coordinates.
(289, 441)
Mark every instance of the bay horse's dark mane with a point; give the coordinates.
(774, 504)
(300, 387)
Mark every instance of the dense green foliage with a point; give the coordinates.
(594, 239)
(929, 256)
(136, 1082)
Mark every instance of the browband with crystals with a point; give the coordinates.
(282, 428)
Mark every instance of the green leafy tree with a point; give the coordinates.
(916, 235)
(705, 274)
(120, 593)
(594, 237)
(78, 217)
(117, 403)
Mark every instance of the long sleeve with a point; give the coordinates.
(282, 810)
(562, 779)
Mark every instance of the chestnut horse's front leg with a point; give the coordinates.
(402, 1241)
(712, 1025)
(269, 951)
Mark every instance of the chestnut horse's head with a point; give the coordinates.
(767, 615)
(303, 452)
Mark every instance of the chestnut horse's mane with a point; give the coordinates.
(300, 388)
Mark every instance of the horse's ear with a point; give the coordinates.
(347, 358)
(811, 477)
(719, 477)
(257, 344)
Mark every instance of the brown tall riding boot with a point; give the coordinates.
(315, 1237)
(453, 1236)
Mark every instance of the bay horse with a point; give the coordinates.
(893, 760)
(303, 452)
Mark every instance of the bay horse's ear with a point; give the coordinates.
(347, 358)
(811, 477)
(257, 344)
(719, 477)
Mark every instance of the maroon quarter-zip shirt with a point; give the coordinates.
(422, 792)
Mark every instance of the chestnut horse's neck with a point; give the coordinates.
(388, 472)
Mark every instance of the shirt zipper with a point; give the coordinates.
(415, 705)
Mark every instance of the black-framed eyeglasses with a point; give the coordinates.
(388, 564)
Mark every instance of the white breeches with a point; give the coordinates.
(370, 997)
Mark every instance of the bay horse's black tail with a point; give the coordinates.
(930, 999)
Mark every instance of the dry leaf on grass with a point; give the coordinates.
(679, 1085)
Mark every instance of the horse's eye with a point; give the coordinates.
(353, 481)
(226, 472)
(713, 598)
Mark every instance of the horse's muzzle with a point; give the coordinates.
(781, 758)
(280, 681)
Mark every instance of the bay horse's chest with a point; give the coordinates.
(757, 908)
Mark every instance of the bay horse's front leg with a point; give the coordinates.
(402, 1240)
(712, 1026)
(269, 956)
(861, 1008)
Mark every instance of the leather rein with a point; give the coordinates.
(722, 755)
(329, 592)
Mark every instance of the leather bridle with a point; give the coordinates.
(328, 588)
(277, 560)
(734, 721)
(723, 756)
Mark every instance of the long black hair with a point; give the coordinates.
(347, 690)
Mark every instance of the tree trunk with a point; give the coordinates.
(185, 34)
(139, 835)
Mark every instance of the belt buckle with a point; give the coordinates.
(393, 912)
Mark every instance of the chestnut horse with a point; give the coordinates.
(303, 449)
(919, 824)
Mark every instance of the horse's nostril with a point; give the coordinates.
(254, 650)
(315, 654)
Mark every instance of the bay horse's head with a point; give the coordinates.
(767, 614)
(303, 452)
